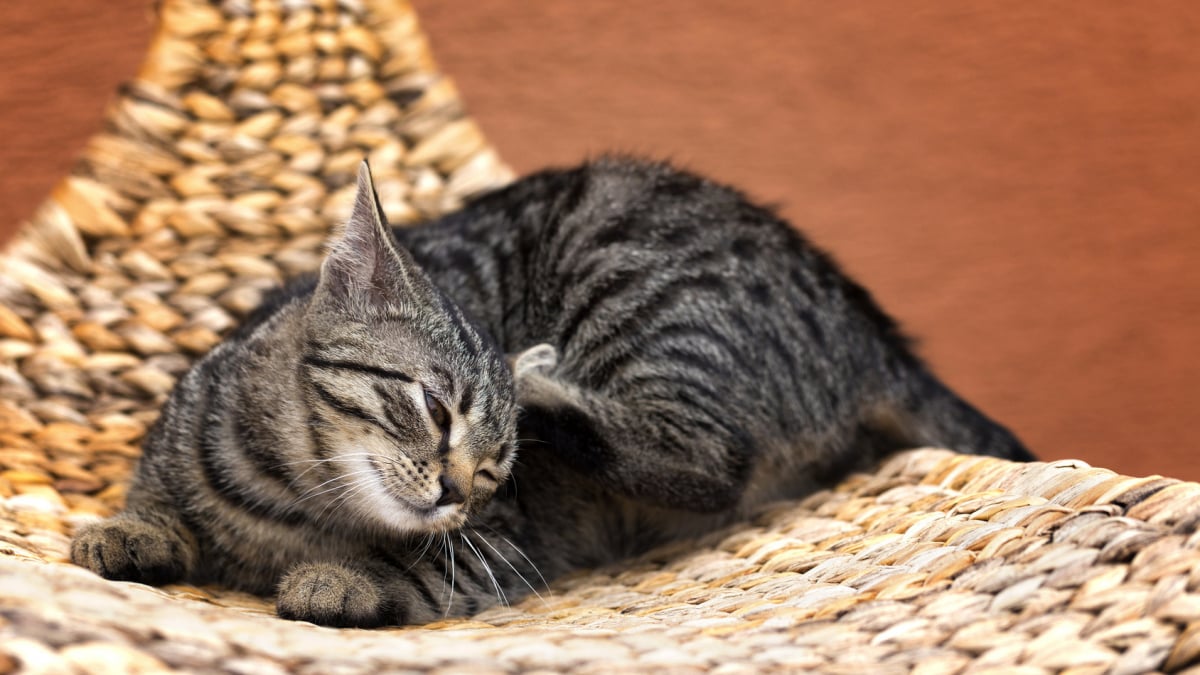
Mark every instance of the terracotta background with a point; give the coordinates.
(1019, 185)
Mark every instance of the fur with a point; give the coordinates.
(666, 355)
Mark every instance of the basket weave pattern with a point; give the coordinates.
(221, 169)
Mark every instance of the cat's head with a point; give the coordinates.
(411, 403)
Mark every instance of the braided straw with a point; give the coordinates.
(224, 164)
(221, 170)
(936, 563)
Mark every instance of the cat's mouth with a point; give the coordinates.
(438, 518)
(423, 519)
(390, 501)
(444, 518)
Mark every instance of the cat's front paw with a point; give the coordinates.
(127, 549)
(540, 359)
(331, 595)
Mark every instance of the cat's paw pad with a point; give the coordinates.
(330, 595)
(125, 549)
(539, 359)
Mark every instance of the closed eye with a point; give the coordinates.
(437, 412)
(391, 423)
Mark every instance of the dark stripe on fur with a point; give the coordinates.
(647, 307)
(350, 410)
(318, 362)
(219, 477)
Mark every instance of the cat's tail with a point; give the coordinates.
(933, 415)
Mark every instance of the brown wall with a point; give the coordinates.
(1019, 185)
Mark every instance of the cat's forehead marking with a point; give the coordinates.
(441, 375)
(466, 398)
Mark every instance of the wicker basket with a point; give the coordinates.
(224, 163)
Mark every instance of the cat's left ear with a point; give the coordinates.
(364, 261)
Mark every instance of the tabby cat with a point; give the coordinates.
(363, 447)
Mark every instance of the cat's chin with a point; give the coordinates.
(410, 519)
(444, 518)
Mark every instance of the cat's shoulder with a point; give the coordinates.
(604, 173)
(612, 182)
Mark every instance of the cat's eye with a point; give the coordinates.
(437, 412)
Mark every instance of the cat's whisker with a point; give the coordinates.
(317, 463)
(513, 463)
(421, 556)
(500, 595)
(340, 476)
(522, 554)
(453, 573)
(342, 500)
(320, 460)
(301, 475)
(448, 558)
(331, 506)
(312, 492)
(445, 569)
(395, 463)
(510, 565)
(358, 485)
(355, 487)
(309, 493)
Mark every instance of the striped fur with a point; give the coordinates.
(677, 356)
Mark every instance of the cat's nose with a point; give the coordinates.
(451, 493)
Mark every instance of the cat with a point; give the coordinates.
(570, 370)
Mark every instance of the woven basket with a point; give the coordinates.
(223, 165)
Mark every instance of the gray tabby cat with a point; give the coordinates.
(679, 356)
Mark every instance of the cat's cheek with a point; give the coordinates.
(387, 487)
(478, 500)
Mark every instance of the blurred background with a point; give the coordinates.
(1018, 184)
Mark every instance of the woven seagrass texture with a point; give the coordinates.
(935, 563)
(223, 166)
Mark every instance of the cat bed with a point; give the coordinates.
(222, 167)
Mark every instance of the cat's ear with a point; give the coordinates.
(364, 261)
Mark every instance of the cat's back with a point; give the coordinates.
(619, 255)
(624, 211)
(565, 238)
(641, 254)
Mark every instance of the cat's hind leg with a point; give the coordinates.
(673, 447)
(130, 548)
